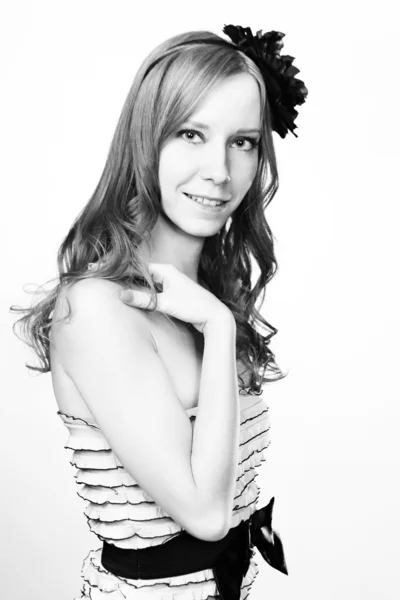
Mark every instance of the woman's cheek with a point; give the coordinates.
(245, 171)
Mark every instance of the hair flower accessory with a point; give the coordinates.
(284, 90)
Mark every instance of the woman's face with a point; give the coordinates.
(218, 140)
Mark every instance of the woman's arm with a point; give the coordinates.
(106, 349)
(216, 433)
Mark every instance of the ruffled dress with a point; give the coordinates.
(121, 513)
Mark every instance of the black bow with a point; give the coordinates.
(235, 561)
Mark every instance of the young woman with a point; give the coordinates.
(165, 447)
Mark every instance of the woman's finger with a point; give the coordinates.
(136, 298)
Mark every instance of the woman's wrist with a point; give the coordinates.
(221, 320)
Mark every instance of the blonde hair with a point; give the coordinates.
(125, 205)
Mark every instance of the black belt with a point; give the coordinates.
(229, 558)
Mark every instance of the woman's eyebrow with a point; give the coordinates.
(204, 126)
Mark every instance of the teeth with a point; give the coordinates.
(205, 200)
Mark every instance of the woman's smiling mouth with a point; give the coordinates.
(205, 204)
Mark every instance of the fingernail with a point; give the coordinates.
(126, 296)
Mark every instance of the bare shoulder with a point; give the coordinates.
(86, 288)
(91, 301)
(92, 290)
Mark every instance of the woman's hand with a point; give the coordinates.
(181, 298)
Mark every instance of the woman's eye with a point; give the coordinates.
(252, 143)
(192, 133)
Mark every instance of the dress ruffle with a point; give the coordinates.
(120, 512)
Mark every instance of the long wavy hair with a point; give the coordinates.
(171, 82)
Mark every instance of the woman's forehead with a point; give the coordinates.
(236, 101)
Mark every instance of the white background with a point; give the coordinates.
(333, 466)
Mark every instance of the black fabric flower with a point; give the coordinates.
(284, 90)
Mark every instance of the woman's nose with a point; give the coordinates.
(216, 166)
